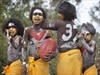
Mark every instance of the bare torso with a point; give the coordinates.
(14, 49)
(35, 37)
(88, 58)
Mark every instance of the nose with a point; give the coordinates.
(37, 15)
(10, 28)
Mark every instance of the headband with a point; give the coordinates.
(11, 24)
(37, 11)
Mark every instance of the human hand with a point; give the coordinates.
(47, 57)
(24, 69)
(8, 36)
(80, 36)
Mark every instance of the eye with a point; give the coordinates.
(34, 13)
(88, 34)
(40, 14)
(11, 27)
(83, 34)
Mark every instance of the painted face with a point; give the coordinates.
(11, 29)
(37, 17)
(87, 37)
(86, 34)
(60, 16)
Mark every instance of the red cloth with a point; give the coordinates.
(82, 49)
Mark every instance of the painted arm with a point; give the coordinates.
(24, 51)
(25, 44)
(89, 48)
(50, 26)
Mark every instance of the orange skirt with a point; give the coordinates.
(14, 69)
(38, 67)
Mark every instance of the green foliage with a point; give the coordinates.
(97, 58)
(20, 9)
(53, 68)
(3, 50)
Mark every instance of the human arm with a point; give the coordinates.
(24, 56)
(51, 25)
(24, 51)
(89, 47)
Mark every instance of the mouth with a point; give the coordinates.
(37, 19)
(11, 33)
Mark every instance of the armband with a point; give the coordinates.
(24, 63)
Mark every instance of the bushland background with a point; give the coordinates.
(20, 9)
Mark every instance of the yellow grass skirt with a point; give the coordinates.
(14, 69)
(38, 67)
(91, 71)
(70, 63)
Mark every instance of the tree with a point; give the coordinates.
(95, 13)
(20, 9)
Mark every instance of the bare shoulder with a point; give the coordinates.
(27, 29)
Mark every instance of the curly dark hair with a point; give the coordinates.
(18, 25)
(67, 10)
(89, 27)
(32, 10)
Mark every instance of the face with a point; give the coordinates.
(12, 30)
(37, 17)
(87, 36)
(60, 16)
